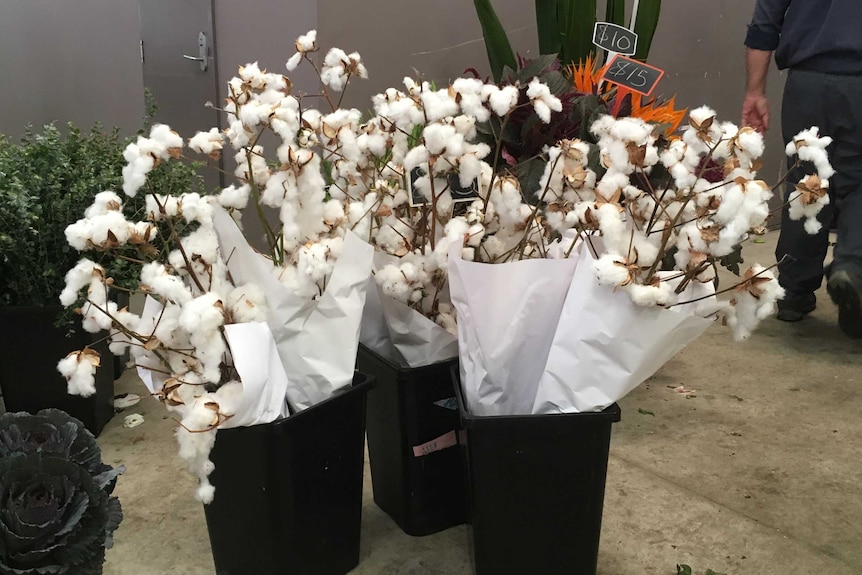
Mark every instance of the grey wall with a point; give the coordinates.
(262, 31)
(439, 39)
(63, 60)
(699, 43)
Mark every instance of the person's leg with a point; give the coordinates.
(800, 254)
(845, 278)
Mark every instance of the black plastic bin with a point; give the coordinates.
(416, 468)
(31, 347)
(288, 494)
(536, 486)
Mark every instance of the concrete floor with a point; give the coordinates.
(757, 472)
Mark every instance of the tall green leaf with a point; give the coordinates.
(577, 19)
(500, 52)
(645, 25)
(616, 12)
(547, 26)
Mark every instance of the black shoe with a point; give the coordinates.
(845, 289)
(795, 308)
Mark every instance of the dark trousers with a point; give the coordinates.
(834, 104)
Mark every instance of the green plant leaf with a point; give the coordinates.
(711, 572)
(529, 173)
(577, 19)
(683, 570)
(547, 26)
(497, 44)
(645, 26)
(615, 12)
(536, 67)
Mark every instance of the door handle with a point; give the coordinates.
(202, 51)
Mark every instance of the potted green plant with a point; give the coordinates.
(45, 180)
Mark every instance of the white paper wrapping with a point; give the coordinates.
(541, 336)
(264, 382)
(152, 379)
(317, 340)
(398, 332)
(507, 315)
(605, 345)
(255, 358)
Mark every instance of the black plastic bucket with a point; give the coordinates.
(536, 486)
(288, 494)
(416, 468)
(31, 347)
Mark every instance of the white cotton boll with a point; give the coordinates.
(238, 135)
(78, 234)
(649, 295)
(611, 272)
(113, 223)
(247, 303)
(542, 99)
(169, 139)
(612, 182)
(501, 100)
(673, 154)
(440, 138)
(812, 226)
(233, 197)
(631, 130)
(438, 104)
(602, 127)
(293, 62)
(416, 157)
(612, 227)
(701, 114)
(135, 173)
(751, 143)
(447, 321)
(333, 212)
(307, 42)
(542, 111)
(202, 314)
(103, 203)
(78, 277)
(207, 142)
(205, 492)
(79, 369)
(162, 283)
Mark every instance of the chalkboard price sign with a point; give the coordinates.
(634, 75)
(458, 192)
(614, 38)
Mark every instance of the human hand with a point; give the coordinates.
(755, 112)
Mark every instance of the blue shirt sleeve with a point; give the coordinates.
(765, 28)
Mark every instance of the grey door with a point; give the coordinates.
(177, 47)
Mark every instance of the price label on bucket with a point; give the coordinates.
(634, 75)
(614, 38)
(444, 441)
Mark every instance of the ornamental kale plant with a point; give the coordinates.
(56, 512)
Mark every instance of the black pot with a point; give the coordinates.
(536, 487)
(30, 347)
(416, 468)
(288, 494)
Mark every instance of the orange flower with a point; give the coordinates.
(585, 78)
(655, 113)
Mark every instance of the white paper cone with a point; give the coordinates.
(317, 340)
(507, 316)
(606, 345)
(264, 382)
(398, 332)
(153, 380)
